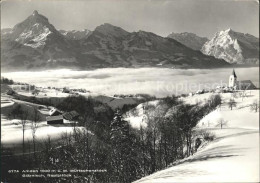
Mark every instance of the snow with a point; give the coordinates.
(75, 34)
(11, 130)
(225, 45)
(232, 157)
(24, 36)
(40, 39)
(227, 160)
(222, 40)
(136, 117)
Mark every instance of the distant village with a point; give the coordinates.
(58, 117)
(233, 85)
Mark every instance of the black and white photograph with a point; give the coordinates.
(120, 91)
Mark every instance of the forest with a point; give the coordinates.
(109, 143)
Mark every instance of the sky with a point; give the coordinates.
(162, 17)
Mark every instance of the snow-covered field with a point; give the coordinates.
(11, 130)
(232, 157)
(154, 81)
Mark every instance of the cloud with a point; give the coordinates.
(154, 81)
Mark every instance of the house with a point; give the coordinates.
(200, 92)
(54, 112)
(54, 119)
(71, 116)
(65, 90)
(10, 92)
(245, 85)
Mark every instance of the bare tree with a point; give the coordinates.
(221, 123)
(234, 94)
(22, 115)
(154, 115)
(255, 106)
(232, 103)
(242, 94)
(215, 100)
(34, 126)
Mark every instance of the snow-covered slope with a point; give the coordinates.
(35, 43)
(34, 31)
(233, 156)
(76, 34)
(190, 40)
(234, 47)
(137, 117)
(227, 160)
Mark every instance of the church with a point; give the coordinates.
(240, 85)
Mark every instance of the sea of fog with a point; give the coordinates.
(154, 81)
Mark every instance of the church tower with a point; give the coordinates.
(232, 79)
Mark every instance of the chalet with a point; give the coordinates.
(71, 116)
(54, 112)
(54, 119)
(10, 92)
(65, 90)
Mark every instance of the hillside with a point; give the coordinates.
(234, 47)
(231, 157)
(35, 44)
(189, 39)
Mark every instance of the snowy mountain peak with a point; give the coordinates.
(35, 31)
(234, 47)
(229, 30)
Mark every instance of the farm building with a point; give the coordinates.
(55, 112)
(71, 116)
(10, 92)
(54, 119)
(245, 85)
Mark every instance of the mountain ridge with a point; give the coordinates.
(190, 40)
(36, 44)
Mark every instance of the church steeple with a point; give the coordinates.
(234, 73)
(233, 79)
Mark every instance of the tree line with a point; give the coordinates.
(108, 142)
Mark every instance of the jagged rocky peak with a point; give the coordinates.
(228, 31)
(34, 19)
(35, 13)
(234, 47)
(34, 31)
